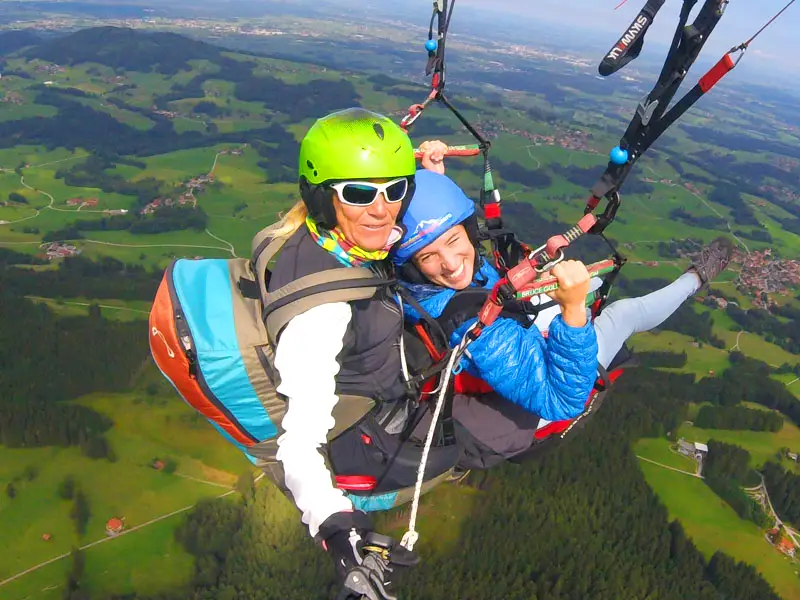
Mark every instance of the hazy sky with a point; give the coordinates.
(741, 20)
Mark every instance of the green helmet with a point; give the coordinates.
(351, 144)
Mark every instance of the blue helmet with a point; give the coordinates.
(438, 204)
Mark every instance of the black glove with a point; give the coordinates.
(342, 535)
(348, 535)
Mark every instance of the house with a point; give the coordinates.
(46, 537)
(792, 456)
(786, 546)
(158, 465)
(114, 526)
(695, 450)
(685, 448)
(60, 250)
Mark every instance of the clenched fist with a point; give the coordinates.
(573, 286)
(433, 155)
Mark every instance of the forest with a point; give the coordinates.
(784, 491)
(738, 417)
(747, 380)
(726, 471)
(78, 277)
(82, 354)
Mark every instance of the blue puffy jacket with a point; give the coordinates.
(550, 377)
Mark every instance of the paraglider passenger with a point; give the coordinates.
(549, 378)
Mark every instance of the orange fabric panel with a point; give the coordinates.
(168, 353)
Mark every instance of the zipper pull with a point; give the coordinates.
(190, 355)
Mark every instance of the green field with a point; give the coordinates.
(146, 427)
(112, 309)
(659, 450)
(713, 525)
(147, 561)
(698, 360)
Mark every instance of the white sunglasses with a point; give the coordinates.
(364, 193)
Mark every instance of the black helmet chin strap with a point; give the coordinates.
(319, 202)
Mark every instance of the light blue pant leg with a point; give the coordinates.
(621, 319)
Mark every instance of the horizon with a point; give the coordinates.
(591, 27)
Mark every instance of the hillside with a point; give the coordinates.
(11, 41)
(121, 150)
(165, 53)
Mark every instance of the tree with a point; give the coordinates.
(18, 198)
(31, 472)
(80, 512)
(66, 489)
(73, 588)
(11, 491)
(94, 311)
(96, 446)
(246, 485)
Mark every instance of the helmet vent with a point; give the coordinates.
(310, 164)
(378, 130)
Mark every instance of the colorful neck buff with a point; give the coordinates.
(345, 252)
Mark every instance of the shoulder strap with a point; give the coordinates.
(332, 285)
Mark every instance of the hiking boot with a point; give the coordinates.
(712, 260)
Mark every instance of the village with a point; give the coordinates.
(762, 274)
(195, 185)
(575, 140)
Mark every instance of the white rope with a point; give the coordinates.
(403, 361)
(411, 536)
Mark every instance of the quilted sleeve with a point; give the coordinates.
(551, 378)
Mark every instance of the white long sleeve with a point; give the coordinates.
(305, 358)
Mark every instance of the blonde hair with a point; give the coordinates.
(290, 222)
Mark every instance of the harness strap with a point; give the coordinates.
(333, 285)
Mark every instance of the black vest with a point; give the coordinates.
(370, 358)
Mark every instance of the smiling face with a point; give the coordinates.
(368, 227)
(449, 261)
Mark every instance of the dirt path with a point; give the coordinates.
(155, 245)
(231, 249)
(108, 306)
(668, 467)
(727, 223)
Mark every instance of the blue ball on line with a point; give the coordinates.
(431, 45)
(619, 156)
